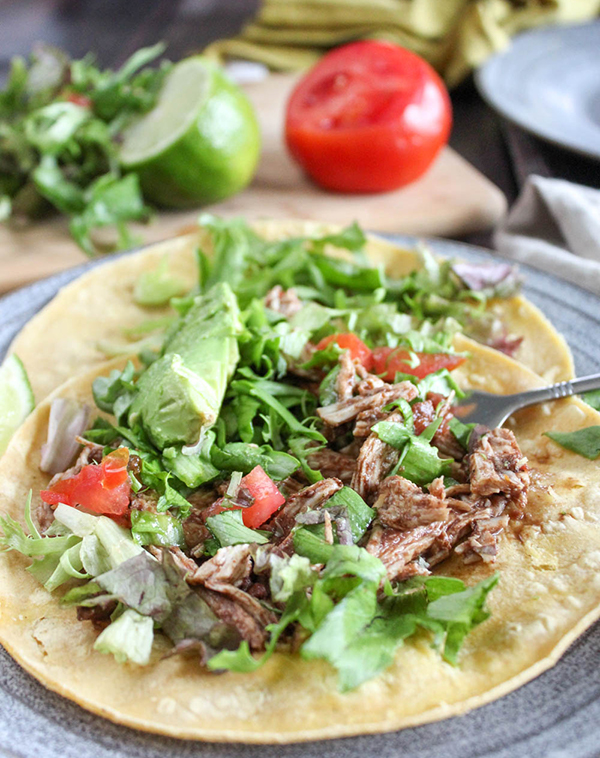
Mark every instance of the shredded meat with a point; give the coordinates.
(367, 419)
(506, 344)
(462, 524)
(221, 577)
(397, 550)
(194, 526)
(99, 614)
(283, 301)
(83, 459)
(402, 504)
(290, 486)
(369, 384)
(233, 614)
(497, 465)
(185, 565)
(308, 498)
(375, 460)
(144, 500)
(347, 410)
(333, 464)
(482, 544)
(346, 378)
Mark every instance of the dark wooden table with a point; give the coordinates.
(114, 29)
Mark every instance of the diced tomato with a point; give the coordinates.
(103, 489)
(387, 361)
(267, 499)
(77, 99)
(349, 341)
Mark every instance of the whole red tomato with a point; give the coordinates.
(369, 117)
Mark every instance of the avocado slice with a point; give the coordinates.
(179, 396)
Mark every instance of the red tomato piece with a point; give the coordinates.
(267, 498)
(388, 361)
(349, 341)
(103, 489)
(77, 99)
(369, 117)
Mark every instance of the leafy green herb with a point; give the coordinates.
(585, 442)
(419, 460)
(290, 575)
(592, 398)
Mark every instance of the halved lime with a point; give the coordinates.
(16, 398)
(199, 144)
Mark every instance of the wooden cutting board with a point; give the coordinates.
(452, 199)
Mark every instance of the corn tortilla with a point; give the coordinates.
(549, 593)
(63, 339)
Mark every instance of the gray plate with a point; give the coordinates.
(558, 714)
(548, 82)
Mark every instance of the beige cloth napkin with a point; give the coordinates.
(555, 226)
(453, 35)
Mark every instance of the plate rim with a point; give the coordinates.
(486, 92)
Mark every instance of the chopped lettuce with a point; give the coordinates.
(129, 638)
(461, 431)
(240, 456)
(158, 286)
(228, 528)
(144, 584)
(419, 460)
(357, 511)
(290, 574)
(161, 529)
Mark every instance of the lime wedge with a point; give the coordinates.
(199, 144)
(16, 398)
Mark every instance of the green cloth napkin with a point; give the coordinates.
(455, 36)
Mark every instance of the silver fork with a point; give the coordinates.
(493, 410)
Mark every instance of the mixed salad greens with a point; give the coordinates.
(212, 421)
(60, 122)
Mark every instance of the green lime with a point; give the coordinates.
(16, 399)
(199, 144)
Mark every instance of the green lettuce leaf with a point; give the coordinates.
(158, 286)
(228, 528)
(129, 638)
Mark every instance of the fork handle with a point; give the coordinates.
(561, 389)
